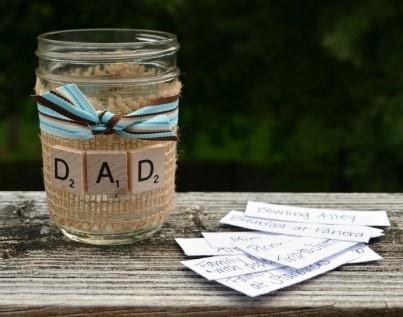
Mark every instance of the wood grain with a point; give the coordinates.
(147, 166)
(107, 172)
(43, 274)
(69, 165)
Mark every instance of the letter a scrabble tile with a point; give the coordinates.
(67, 169)
(107, 172)
(147, 168)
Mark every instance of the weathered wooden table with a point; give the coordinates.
(42, 273)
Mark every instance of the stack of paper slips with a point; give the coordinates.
(289, 245)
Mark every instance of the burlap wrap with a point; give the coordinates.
(104, 213)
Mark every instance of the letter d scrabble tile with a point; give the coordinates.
(147, 168)
(67, 169)
(107, 172)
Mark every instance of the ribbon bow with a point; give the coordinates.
(66, 112)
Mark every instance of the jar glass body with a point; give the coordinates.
(119, 70)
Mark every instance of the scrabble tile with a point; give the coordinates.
(68, 169)
(107, 172)
(147, 168)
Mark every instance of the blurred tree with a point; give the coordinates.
(309, 91)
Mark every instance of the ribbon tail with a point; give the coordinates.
(160, 136)
(158, 127)
(78, 98)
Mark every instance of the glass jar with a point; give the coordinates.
(118, 70)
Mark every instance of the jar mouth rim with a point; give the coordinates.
(149, 37)
(120, 44)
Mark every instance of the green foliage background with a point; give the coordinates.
(309, 92)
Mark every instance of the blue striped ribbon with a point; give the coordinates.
(66, 112)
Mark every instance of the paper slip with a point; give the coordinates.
(200, 247)
(336, 232)
(227, 239)
(317, 215)
(296, 253)
(365, 254)
(223, 266)
(265, 282)
(374, 232)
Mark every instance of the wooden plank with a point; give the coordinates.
(42, 273)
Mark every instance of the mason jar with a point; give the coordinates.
(119, 71)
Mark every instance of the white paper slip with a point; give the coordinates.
(336, 232)
(226, 239)
(223, 266)
(374, 233)
(366, 254)
(200, 247)
(317, 215)
(294, 253)
(266, 282)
